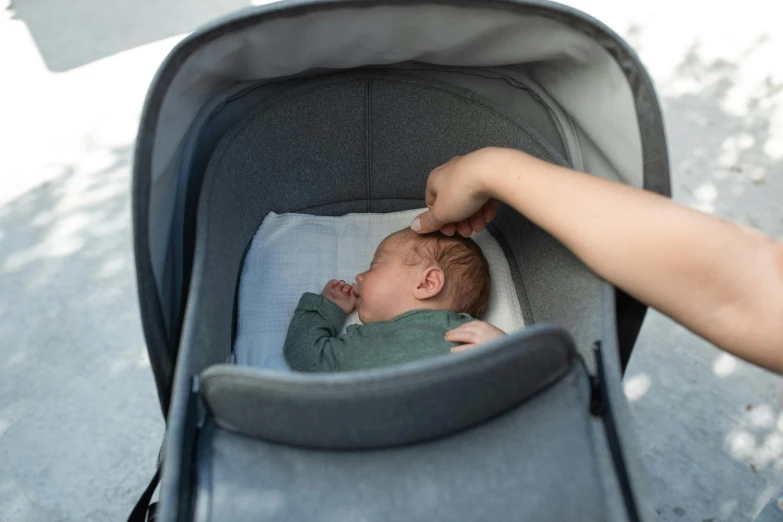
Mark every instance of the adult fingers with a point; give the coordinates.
(477, 222)
(430, 195)
(449, 229)
(425, 223)
(464, 228)
(490, 209)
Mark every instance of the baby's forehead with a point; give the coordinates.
(396, 242)
(389, 244)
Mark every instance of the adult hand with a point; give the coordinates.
(721, 280)
(456, 196)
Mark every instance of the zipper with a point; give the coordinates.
(600, 406)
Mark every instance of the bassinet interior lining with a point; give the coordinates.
(296, 253)
(365, 142)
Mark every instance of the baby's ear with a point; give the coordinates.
(430, 283)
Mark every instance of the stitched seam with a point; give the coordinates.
(368, 143)
(516, 276)
(305, 209)
(577, 144)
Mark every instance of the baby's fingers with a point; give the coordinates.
(462, 334)
(463, 347)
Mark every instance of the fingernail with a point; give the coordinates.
(416, 225)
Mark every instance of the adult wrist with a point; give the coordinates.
(495, 167)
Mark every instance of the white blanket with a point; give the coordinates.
(296, 253)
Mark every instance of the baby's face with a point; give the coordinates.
(386, 289)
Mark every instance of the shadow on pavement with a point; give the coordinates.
(77, 434)
(709, 426)
(73, 33)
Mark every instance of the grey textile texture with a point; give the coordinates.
(507, 87)
(488, 35)
(277, 160)
(559, 288)
(585, 72)
(212, 122)
(260, 166)
(413, 120)
(536, 462)
(620, 412)
(410, 403)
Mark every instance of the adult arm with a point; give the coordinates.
(721, 280)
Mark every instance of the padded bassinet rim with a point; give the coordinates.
(188, 418)
(546, 351)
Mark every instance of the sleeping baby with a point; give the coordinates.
(418, 288)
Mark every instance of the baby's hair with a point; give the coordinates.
(463, 263)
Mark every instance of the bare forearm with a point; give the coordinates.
(721, 280)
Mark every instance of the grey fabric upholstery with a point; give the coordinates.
(508, 87)
(535, 463)
(621, 413)
(588, 70)
(394, 406)
(418, 125)
(377, 138)
(498, 475)
(310, 151)
(560, 289)
(585, 71)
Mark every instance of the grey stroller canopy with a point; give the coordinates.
(331, 107)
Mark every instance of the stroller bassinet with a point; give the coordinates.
(334, 107)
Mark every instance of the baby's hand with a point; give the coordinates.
(340, 293)
(473, 334)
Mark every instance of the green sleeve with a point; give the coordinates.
(311, 344)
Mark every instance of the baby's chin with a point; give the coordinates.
(363, 317)
(367, 318)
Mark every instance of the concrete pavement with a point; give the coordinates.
(79, 420)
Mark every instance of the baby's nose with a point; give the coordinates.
(359, 277)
